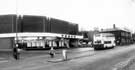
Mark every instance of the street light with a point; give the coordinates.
(16, 50)
(16, 27)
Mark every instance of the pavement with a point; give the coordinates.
(128, 64)
(132, 67)
(77, 52)
(31, 58)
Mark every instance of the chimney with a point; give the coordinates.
(114, 26)
(101, 29)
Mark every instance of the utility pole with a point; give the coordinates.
(16, 53)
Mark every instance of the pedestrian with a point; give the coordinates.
(16, 52)
(52, 52)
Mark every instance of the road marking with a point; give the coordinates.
(2, 61)
(2, 58)
(114, 69)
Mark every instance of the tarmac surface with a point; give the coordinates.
(78, 59)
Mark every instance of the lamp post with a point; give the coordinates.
(16, 21)
(15, 47)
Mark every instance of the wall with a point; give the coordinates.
(6, 43)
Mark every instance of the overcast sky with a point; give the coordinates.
(87, 13)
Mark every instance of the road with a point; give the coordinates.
(80, 59)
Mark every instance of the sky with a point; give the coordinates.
(89, 14)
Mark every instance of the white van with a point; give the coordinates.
(103, 40)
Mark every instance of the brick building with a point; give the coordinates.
(122, 36)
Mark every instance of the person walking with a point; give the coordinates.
(16, 52)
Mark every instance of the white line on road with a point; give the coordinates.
(2, 61)
(2, 58)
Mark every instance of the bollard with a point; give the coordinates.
(64, 53)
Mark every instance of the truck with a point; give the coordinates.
(103, 40)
